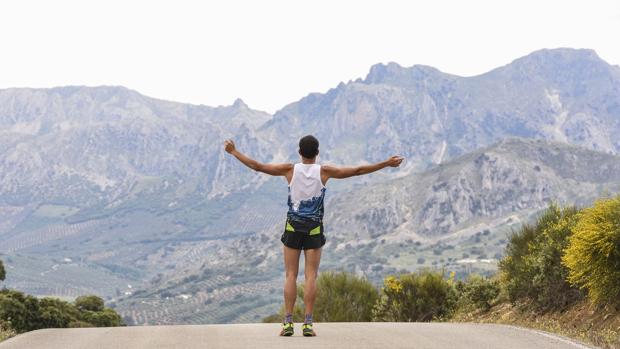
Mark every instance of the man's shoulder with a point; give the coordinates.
(329, 168)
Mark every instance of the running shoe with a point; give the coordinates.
(287, 329)
(308, 331)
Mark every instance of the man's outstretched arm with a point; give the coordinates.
(272, 169)
(346, 172)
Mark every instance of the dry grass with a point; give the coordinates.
(599, 326)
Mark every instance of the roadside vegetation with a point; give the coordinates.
(20, 312)
(560, 274)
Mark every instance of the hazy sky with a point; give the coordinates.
(270, 53)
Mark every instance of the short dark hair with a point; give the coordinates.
(309, 146)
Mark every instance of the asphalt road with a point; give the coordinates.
(330, 335)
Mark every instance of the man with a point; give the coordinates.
(304, 220)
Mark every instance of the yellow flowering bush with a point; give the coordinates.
(593, 253)
(393, 284)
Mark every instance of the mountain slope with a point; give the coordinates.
(512, 175)
(82, 146)
(455, 216)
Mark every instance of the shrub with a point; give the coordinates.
(104, 318)
(593, 254)
(513, 269)
(6, 331)
(273, 318)
(26, 313)
(90, 302)
(532, 268)
(298, 313)
(12, 312)
(56, 313)
(341, 297)
(477, 292)
(79, 324)
(20, 311)
(420, 296)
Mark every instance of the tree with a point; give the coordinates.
(2, 271)
(13, 312)
(56, 313)
(104, 318)
(26, 313)
(593, 254)
(19, 310)
(90, 302)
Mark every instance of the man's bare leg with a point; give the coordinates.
(311, 270)
(291, 267)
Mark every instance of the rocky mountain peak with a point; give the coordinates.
(393, 73)
(380, 71)
(240, 104)
(561, 65)
(563, 54)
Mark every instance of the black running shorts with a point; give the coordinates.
(303, 234)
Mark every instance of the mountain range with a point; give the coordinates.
(104, 190)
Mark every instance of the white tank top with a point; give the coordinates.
(306, 192)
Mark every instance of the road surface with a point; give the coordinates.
(330, 335)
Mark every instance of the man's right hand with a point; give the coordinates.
(394, 161)
(229, 145)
